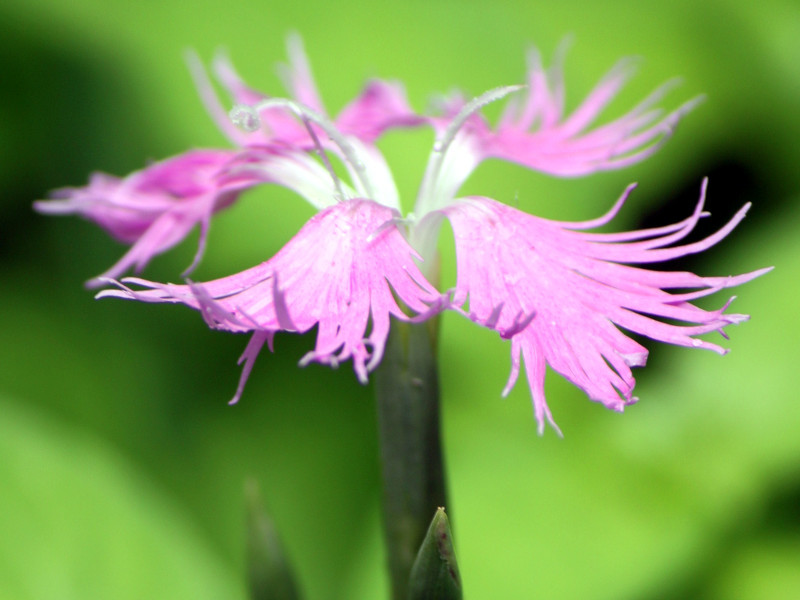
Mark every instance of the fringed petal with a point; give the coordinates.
(155, 208)
(533, 132)
(344, 272)
(573, 283)
(381, 106)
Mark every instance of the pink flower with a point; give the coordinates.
(381, 106)
(557, 292)
(534, 132)
(156, 208)
(153, 209)
(572, 289)
(342, 270)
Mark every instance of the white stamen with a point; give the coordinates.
(443, 143)
(324, 158)
(469, 109)
(247, 116)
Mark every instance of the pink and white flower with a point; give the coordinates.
(153, 209)
(343, 272)
(559, 293)
(156, 208)
(579, 288)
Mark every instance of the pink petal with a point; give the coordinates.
(544, 106)
(342, 273)
(152, 209)
(297, 76)
(381, 106)
(579, 293)
(278, 125)
(216, 109)
(533, 133)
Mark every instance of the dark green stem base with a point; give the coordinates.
(407, 390)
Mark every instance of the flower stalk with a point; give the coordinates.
(407, 390)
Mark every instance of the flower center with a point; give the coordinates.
(247, 118)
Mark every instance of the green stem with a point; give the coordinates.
(407, 390)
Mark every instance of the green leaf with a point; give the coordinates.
(269, 574)
(80, 522)
(434, 575)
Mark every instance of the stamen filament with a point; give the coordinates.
(324, 157)
(442, 144)
(246, 117)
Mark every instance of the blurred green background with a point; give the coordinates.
(122, 467)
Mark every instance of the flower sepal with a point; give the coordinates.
(435, 572)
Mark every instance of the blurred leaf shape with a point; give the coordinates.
(80, 522)
(269, 573)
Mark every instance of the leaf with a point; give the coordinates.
(269, 573)
(434, 575)
(80, 522)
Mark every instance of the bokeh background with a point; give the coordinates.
(122, 467)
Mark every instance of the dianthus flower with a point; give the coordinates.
(558, 292)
